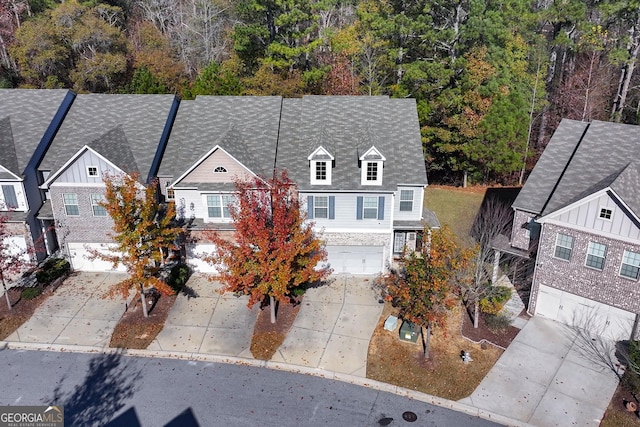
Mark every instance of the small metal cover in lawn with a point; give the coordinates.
(409, 332)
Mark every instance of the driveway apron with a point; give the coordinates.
(334, 326)
(76, 313)
(550, 376)
(209, 323)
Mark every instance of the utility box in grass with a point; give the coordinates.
(409, 332)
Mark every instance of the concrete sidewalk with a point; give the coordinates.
(548, 376)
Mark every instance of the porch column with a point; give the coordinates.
(496, 265)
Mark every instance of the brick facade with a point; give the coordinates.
(84, 228)
(519, 237)
(606, 286)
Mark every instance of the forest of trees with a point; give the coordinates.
(492, 79)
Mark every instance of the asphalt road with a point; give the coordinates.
(111, 390)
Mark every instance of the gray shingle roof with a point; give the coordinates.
(580, 159)
(245, 127)
(25, 115)
(109, 121)
(353, 124)
(114, 146)
(346, 126)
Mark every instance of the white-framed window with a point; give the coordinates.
(406, 200)
(171, 193)
(596, 254)
(218, 205)
(321, 207)
(630, 267)
(10, 198)
(371, 172)
(93, 172)
(321, 172)
(98, 210)
(70, 201)
(606, 213)
(564, 246)
(370, 207)
(220, 169)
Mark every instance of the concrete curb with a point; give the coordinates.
(317, 372)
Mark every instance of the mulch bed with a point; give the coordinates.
(267, 336)
(22, 309)
(499, 337)
(616, 414)
(134, 331)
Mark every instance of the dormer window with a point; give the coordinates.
(220, 169)
(371, 166)
(320, 165)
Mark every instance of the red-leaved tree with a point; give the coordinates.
(424, 287)
(274, 250)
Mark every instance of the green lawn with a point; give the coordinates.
(455, 207)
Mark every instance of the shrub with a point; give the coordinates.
(178, 276)
(52, 269)
(497, 322)
(498, 296)
(30, 293)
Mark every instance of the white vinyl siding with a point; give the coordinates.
(82, 169)
(587, 215)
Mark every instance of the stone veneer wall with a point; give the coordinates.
(605, 286)
(519, 237)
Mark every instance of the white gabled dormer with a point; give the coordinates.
(320, 166)
(371, 166)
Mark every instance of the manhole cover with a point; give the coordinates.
(409, 416)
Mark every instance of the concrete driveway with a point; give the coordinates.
(76, 313)
(334, 327)
(550, 376)
(210, 323)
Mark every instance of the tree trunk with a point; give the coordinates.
(143, 301)
(426, 341)
(6, 292)
(625, 79)
(464, 179)
(272, 308)
(476, 313)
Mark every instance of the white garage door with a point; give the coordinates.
(356, 259)
(570, 309)
(17, 245)
(81, 258)
(195, 254)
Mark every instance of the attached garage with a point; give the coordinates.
(17, 245)
(80, 254)
(605, 320)
(195, 254)
(356, 259)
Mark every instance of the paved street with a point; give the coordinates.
(113, 390)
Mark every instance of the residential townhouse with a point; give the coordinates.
(29, 120)
(357, 161)
(579, 215)
(101, 134)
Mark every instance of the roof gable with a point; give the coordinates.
(320, 153)
(217, 166)
(75, 168)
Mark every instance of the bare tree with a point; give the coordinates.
(492, 221)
